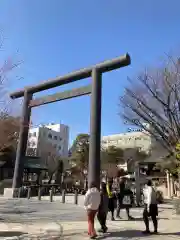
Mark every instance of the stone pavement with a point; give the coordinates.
(20, 216)
(123, 230)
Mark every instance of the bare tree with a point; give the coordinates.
(5, 70)
(51, 158)
(9, 129)
(9, 125)
(153, 97)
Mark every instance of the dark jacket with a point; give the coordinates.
(121, 192)
(103, 207)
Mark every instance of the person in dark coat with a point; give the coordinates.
(125, 199)
(112, 198)
(103, 208)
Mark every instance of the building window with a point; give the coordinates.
(34, 134)
(59, 148)
(138, 138)
(60, 138)
(55, 137)
(50, 135)
(33, 144)
(30, 134)
(55, 145)
(113, 142)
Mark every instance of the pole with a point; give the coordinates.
(95, 129)
(168, 184)
(137, 181)
(23, 137)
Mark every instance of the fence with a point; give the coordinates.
(38, 191)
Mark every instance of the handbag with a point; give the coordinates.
(126, 200)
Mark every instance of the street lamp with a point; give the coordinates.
(85, 179)
(62, 180)
(104, 173)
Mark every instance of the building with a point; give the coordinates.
(135, 139)
(54, 135)
(144, 169)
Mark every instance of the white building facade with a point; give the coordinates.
(135, 139)
(55, 135)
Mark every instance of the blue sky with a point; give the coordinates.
(55, 37)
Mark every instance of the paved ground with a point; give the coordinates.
(18, 216)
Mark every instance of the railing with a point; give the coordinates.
(39, 190)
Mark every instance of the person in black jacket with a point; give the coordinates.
(125, 199)
(112, 198)
(103, 208)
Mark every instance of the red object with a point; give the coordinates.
(91, 215)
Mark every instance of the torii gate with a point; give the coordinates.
(95, 89)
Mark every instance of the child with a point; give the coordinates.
(103, 208)
(91, 204)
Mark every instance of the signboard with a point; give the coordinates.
(135, 130)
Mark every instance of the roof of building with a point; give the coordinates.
(30, 163)
(34, 163)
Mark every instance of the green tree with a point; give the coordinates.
(79, 152)
(110, 158)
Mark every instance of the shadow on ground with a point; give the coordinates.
(134, 234)
(11, 233)
(137, 219)
(18, 212)
(164, 208)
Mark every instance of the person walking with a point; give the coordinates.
(120, 196)
(91, 204)
(103, 208)
(111, 198)
(151, 208)
(128, 201)
(125, 199)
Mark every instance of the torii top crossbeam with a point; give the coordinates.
(106, 66)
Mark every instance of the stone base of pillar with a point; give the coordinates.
(9, 192)
(178, 194)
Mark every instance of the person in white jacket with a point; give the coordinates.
(151, 207)
(91, 204)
